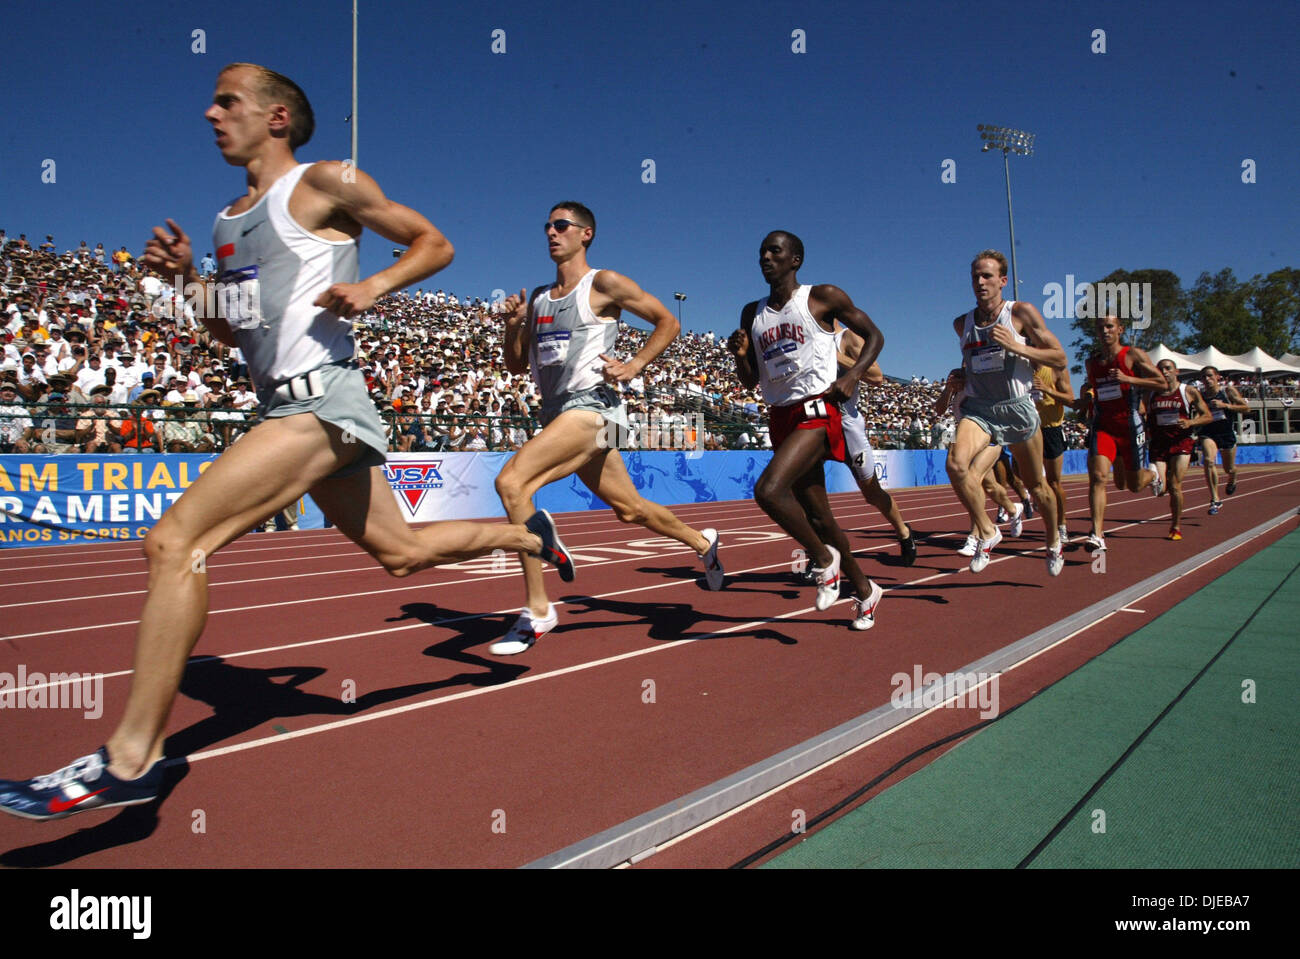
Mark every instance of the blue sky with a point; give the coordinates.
(1137, 164)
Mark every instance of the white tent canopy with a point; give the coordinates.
(1256, 359)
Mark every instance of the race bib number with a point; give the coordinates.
(1109, 390)
(1218, 415)
(1167, 417)
(988, 359)
(239, 298)
(815, 409)
(553, 347)
(779, 363)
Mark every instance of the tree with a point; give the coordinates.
(1219, 314)
(1124, 293)
(1275, 299)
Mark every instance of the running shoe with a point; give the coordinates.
(864, 610)
(1029, 508)
(1096, 544)
(1157, 487)
(713, 573)
(828, 581)
(983, 551)
(84, 785)
(1175, 534)
(1232, 487)
(968, 548)
(1215, 507)
(1055, 561)
(907, 547)
(1002, 516)
(525, 632)
(553, 550)
(1017, 522)
(1065, 535)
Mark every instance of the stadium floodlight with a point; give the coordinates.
(680, 298)
(1009, 141)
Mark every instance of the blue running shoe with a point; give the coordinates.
(553, 550)
(84, 785)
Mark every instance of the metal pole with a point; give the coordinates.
(1263, 400)
(1015, 284)
(354, 84)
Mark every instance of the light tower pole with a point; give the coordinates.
(680, 298)
(1021, 144)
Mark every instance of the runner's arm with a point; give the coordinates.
(1043, 348)
(1149, 378)
(741, 345)
(355, 194)
(626, 295)
(1201, 412)
(834, 304)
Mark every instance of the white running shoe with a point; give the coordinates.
(864, 610)
(1065, 535)
(525, 632)
(1002, 516)
(1055, 561)
(713, 572)
(1096, 544)
(1017, 521)
(983, 550)
(1157, 487)
(969, 547)
(828, 581)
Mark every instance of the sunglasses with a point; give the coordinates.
(562, 225)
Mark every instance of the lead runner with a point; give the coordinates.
(288, 251)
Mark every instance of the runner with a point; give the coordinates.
(1174, 413)
(860, 456)
(786, 346)
(1118, 432)
(565, 334)
(1218, 436)
(1052, 393)
(1000, 340)
(288, 255)
(950, 401)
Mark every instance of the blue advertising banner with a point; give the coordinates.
(69, 498)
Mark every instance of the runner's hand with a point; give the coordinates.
(515, 308)
(616, 371)
(169, 254)
(1005, 338)
(346, 300)
(738, 343)
(841, 389)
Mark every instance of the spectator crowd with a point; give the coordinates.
(102, 356)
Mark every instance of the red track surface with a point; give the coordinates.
(451, 757)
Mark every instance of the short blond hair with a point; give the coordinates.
(275, 88)
(991, 255)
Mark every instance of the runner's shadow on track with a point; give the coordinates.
(476, 630)
(243, 699)
(132, 824)
(732, 582)
(666, 622)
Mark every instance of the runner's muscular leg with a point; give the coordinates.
(774, 490)
(1098, 468)
(1209, 452)
(879, 497)
(363, 508)
(606, 475)
(271, 467)
(810, 490)
(967, 454)
(1028, 457)
(567, 443)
